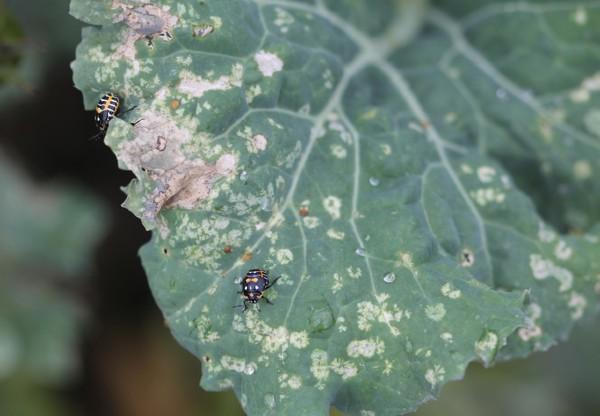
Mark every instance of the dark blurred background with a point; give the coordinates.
(124, 361)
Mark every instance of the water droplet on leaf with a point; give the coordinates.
(321, 316)
(389, 277)
(360, 251)
(266, 204)
(270, 400)
(244, 176)
(501, 94)
(374, 181)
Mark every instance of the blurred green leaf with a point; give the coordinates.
(11, 40)
(47, 238)
(34, 35)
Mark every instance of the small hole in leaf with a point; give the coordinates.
(203, 31)
(165, 251)
(161, 143)
(206, 359)
(467, 258)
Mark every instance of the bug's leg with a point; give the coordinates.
(100, 135)
(245, 305)
(273, 282)
(268, 301)
(122, 113)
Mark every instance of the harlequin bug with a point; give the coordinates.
(107, 108)
(254, 283)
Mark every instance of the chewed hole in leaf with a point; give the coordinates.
(467, 257)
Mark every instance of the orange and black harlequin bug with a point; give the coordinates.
(107, 108)
(254, 283)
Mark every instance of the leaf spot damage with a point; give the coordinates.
(293, 382)
(333, 205)
(368, 313)
(365, 347)
(435, 375)
(196, 86)
(543, 268)
(435, 312)
(268, 63)
(335, 234)
(157, 152)
(577, 304)
(449, 291)
(321, 368)
(532, 329)
(238, 365)
(142, 22)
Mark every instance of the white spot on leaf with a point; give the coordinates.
(195, 86)
(487, 346)
(268, 63)
(486, 174)
(238, 365)
(485, 196)
(335, 234)
(449, 291)
(546, 234)
(580, 16)
(337, 283)
(435, 375)
(311, 222)
(369, 313)
(544, 268)
(577, 304)
(447, 337)
(365, 348)
(345, 369)
(579, 95)
(562, 251)
(435, 312)
(531, 330)
(332, 205)
(338, 151)
(259, 142)
(284, 256)
(319, 367)
(299, 339)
